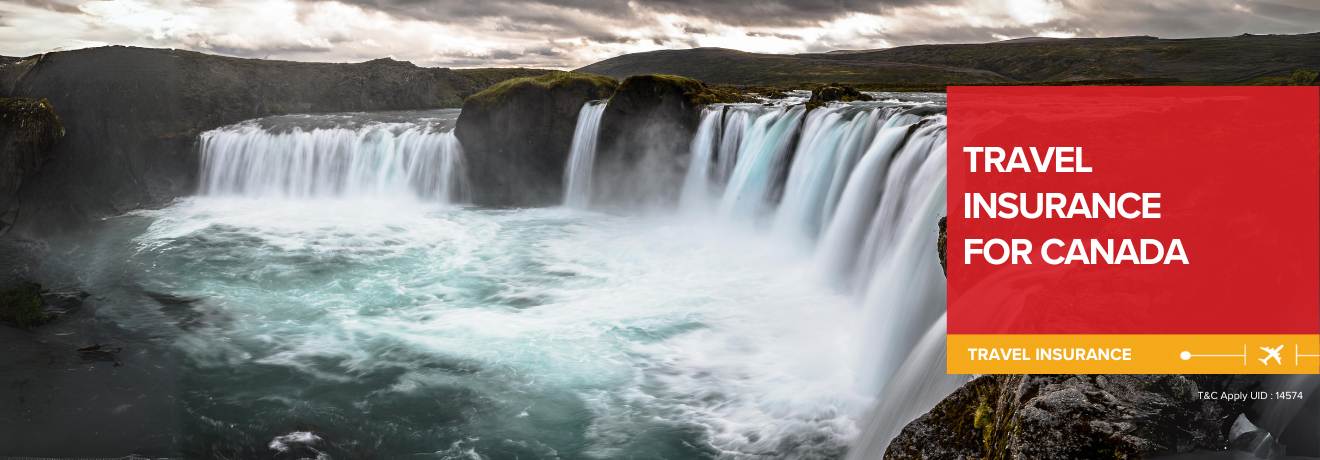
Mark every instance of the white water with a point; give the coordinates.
(862, 195)
(403, 160)
(760, 156)
(582, 156)
(589, 335)
(697, 183)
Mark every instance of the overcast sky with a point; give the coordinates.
(572, 33)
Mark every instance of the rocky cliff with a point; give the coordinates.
(644, 136)
(132, 116)
(29, 128)
(1074, 416)
(517, 134)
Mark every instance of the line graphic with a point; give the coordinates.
(1188, 355)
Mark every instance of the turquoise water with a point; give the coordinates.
(393, 328)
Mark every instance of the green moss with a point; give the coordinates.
(496, 93)
(22, 306)
(1303, 77)
(34, 116)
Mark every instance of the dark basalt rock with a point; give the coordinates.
(1074, 416)
(517, 134)
(942, 244)
(132, 116)
(28, 129)
(835, 92)
(642, 151)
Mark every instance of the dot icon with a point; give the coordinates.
(1186, 355)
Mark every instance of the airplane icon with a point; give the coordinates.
(1273, 353)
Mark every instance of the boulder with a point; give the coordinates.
(517, 134)
(835, 92)
(644, 137)
(28, 129)
(1074, 416)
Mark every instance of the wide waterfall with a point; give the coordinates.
(860, 187)
(582, 155)
(413, 155)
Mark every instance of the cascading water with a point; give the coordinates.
(760, 156)
(737, 123)
(865, 188)
(697, 185)
(859, 196)
(828, 148)
(582, 155)
(347, 156)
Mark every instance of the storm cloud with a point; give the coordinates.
(572, 33)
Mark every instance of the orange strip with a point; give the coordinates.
(1134, 354)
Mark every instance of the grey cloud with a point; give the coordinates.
(779, 12)
(54, 5)
(774, 35)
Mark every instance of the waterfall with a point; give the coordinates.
(738, 121)
(582, 155)
(760, 155)
(863, 189)
(828, 149)
(899, 278)
(413, 160)
(705, 145)
(860, 194)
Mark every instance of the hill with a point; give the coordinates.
(1240, 59)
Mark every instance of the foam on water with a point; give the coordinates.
(634, 335)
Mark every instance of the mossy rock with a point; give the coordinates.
(835, 93)
(996, 417)
(1304, 77)
(22, 306)
(33, 118)
(517, 133)
(499, 93)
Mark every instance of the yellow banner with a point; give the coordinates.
(1133, 354)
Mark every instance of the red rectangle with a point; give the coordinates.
(1238, 173)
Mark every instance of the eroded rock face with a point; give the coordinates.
(1074, 416)
(644, 138)
(517, 134)
(942, 244)
(132, 116)
(28, 129)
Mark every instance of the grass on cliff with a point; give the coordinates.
(497, 92)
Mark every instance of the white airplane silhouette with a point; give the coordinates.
(1273, 354)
